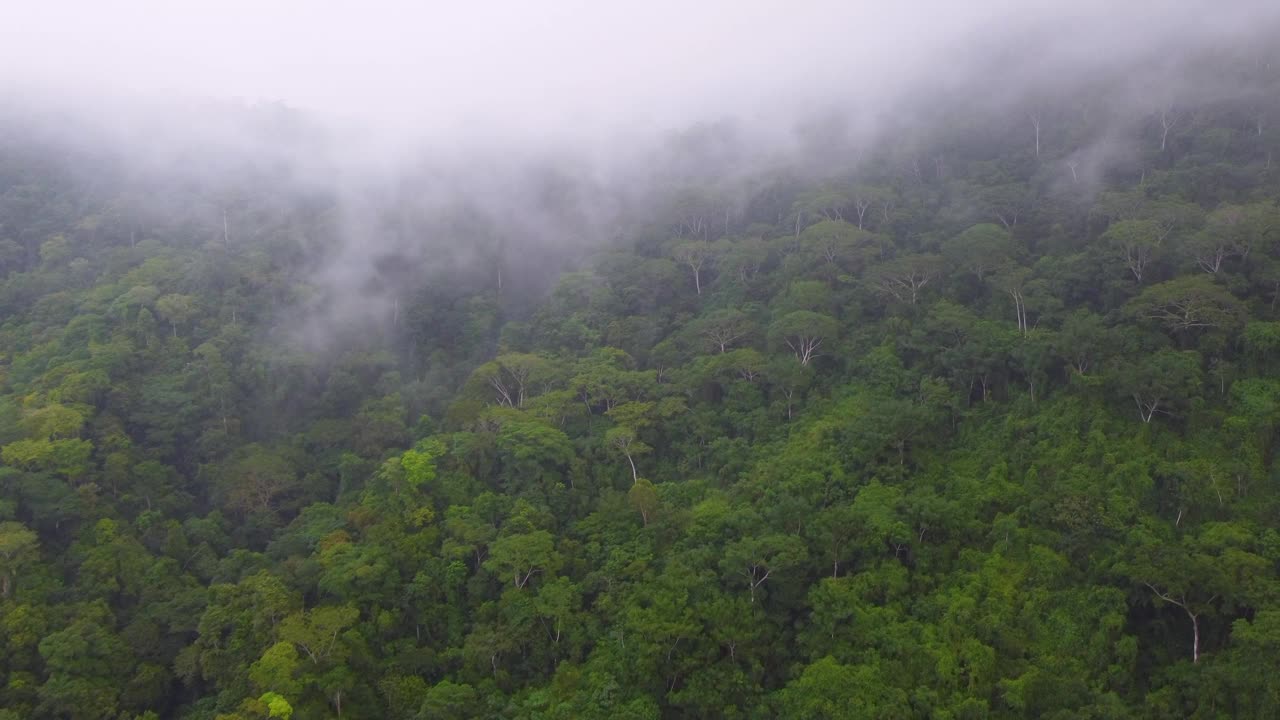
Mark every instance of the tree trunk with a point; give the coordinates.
(1167, 121)
(1195, 618)
(1195, 637)
(1146, 410)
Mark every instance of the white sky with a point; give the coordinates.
(457, 63)
(501, 64)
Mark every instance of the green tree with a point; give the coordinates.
(1189, 304)
(520, 556)
(449, 701)
(828, 689)
(696, 255)
(1135, 243)
(624, 440)
(275, 671)
(980, 249)
(644, 498)
(904, 278)
(18, 550)
(87, 664)
(258, 480)
(317, 632)
(176, 309)
(757, 559)
(277, 706)
(837, 247)
(1161, 382)
(803, 332)
(722, 328)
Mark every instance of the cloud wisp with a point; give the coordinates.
(544, 124)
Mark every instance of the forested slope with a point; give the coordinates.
(982, 428)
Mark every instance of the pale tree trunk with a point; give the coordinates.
(1020, 308)
(1137, 260)
(861, 207)
(1035, 123)
(1194, 616)
(1167, 120)
(504, 395)
(885, 208)
(755, 582)
(1008, 219)
(805, 348)
(1212, 262)
(1147, 410)
(1195, 636)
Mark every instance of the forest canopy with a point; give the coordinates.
(980, 423)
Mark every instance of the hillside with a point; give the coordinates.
(979, 424)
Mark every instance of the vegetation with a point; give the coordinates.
(973, 431)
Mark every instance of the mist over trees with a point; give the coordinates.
(954, 401)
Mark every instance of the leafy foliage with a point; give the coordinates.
(859, 448)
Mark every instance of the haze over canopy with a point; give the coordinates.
(570, 67)
(553, 361)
